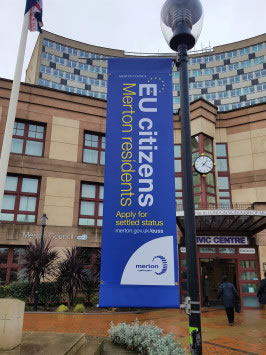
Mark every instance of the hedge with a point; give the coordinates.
(49, 294)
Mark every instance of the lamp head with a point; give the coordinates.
(181, 22)
(44, 218)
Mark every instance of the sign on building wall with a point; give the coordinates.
(139, 244)
(222, 240)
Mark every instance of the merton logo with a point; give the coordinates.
(158, 266)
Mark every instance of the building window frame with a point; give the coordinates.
(26, 138)
(94, 143)
(17, 211)
(178, 175)
(95, 202)
(224, 194)
(10, 266)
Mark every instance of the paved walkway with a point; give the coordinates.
(247, 336)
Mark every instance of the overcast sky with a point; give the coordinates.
(131, 25)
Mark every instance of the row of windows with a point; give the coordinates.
(67, 88)
(74, 64)
(22, 192)
(176, 86)
(232, 54)
(20, 201)
(225, 107)
(225, 68)
(63, 75)
(242, 65)
(70, 50)
(29, 138)
(205, 59)
(223, 175)
(231, 93)
(226, 94)
(236, 105)
(233, 79)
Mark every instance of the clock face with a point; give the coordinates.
(203, 164)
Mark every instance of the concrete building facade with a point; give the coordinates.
(230, 76)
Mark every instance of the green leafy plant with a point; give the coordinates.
(49, 295)
(72, 277)
(95, 267)
(48, 261)
(4, 291)
(62, 308)
(20, 290)
(94, 299)
(145, 339)
(79, 308)
(79, 300)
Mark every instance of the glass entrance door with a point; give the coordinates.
(216, 269)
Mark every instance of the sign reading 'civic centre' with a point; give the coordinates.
(139, 246)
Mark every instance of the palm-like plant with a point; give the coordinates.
(95, 266)
(71, 274)
(48, 260)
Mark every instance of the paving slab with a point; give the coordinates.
(48, 344)
(92, 346)
(247, 336)
(112, 349)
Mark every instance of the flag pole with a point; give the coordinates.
(12, 109)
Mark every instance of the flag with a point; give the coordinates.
(35, 8)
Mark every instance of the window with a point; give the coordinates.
(223, 175)
(91, 261)
(94, 149)
(178, 177)
(220, 56)
(20, 201)
(11, 265)
(91, 205)
(28, 139)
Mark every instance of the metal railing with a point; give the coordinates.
(220, 206)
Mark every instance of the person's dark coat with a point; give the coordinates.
(228, 293)
(262, 292)
(206, 287)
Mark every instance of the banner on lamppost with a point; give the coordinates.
(139, 246)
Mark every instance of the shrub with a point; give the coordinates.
(79, 300)
(20, 290)
(79, 308)
(4, 292)
(72, 277)
(48, 292)
(94, 299)
(95, 266)
(62, 308)
(144, 339)
(48, 260)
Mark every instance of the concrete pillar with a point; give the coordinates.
(11, 323)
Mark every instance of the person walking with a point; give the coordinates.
(229, 294)
(206, 290)
(262, 291)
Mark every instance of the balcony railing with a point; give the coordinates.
(221, 206)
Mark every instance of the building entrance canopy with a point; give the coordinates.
(226, 222)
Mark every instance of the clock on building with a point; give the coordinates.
(203, 164)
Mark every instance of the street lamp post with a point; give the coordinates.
(181, 22)
(36, 290)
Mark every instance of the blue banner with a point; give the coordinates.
(139, 245)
